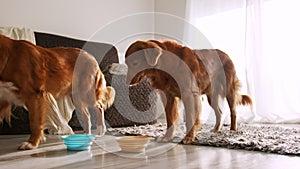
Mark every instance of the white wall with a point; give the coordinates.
(119, 22)
(73, 18)
(173, 7)
(76, 18)
(170, 23)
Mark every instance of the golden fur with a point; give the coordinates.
(179, 72)
(29, 72)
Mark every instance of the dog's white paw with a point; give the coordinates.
(26, 146)
(101, 130)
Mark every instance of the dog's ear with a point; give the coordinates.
(152, 55)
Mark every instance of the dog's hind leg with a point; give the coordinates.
(231, 99)
(36, 109)
(214, 103)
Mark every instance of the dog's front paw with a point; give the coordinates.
(188, 140)
(26, 146)
(101, 130)
(233, 131)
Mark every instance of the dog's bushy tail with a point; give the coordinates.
(5, 112)
(98, 84)
(244, 100)
(241, 99)
(5, 106)
(104, 94)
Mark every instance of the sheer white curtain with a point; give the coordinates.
(261, 37)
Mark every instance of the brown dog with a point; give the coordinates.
(180, 72)
(28, 73)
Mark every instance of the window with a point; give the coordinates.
(261, 37)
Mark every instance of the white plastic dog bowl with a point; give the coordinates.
(133, 144)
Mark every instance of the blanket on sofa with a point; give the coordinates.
(59, 112)
(18, 33)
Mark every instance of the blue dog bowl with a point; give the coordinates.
(78, 141)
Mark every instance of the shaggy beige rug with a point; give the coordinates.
(265, 138)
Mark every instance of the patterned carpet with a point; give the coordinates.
(265, 138)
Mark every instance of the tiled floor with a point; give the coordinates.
(105, 153)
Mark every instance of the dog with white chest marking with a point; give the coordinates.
(28, 73)
(180, 72)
